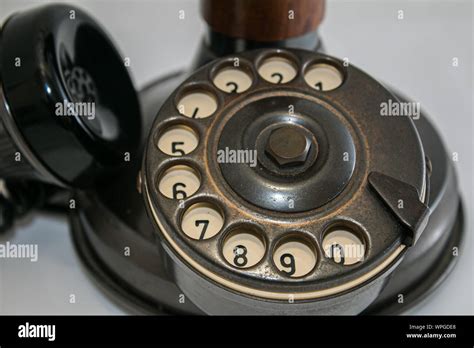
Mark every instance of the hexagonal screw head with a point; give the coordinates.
(288, 146)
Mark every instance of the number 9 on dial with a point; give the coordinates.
(295, 258)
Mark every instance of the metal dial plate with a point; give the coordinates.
(285, 250)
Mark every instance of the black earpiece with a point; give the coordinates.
(69, 113)
(68, 109)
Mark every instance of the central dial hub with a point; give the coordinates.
(254, 185)
(288, 146)
(301, 155)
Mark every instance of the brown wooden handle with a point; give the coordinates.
(263, 20)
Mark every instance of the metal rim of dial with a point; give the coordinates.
(94, 239)
(354, 207)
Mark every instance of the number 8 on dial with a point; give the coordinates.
(244, 247)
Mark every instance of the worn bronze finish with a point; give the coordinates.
(288, 146)
(314, 183)
(99, 241)
(378, 148)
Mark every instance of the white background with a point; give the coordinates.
(414, 55)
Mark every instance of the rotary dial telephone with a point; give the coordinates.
(272, 180)
(314, 215)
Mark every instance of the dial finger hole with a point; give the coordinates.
(277, 70)
(202, 221)
(342, 245)
(244, 247)
(232, 80)
(323, 77)
(197, 104)
(295, 258)
(179, 182)
(178, 140)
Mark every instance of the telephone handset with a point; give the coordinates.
(272, 180)
(69, 114)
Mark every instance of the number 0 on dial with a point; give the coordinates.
(343, 246)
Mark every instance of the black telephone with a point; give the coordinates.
(271, 178)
